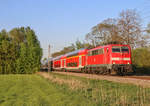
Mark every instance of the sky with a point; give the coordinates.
(61, 22)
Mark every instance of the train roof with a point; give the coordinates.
(58, 57)
(74, 52)
(98, 47)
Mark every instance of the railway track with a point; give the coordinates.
(139, 77)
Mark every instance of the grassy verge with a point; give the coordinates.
(33, 90)
(106, 93)
(63, 90)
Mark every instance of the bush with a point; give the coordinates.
(141, 60)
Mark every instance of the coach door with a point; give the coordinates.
(64, 63)
(106, 57)
(80, 61)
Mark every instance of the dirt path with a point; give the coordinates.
(144, 82)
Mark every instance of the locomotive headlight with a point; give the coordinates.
(113, 62)
(128, 63)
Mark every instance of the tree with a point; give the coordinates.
(8, 53)
(17, 34)
(78, 45)
(20, 51)
(148, 28)
(124, 30)
(130, 28)
(145, 42)
(104, 33)
(34, 50)
(21, 62)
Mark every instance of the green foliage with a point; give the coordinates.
(20, 51)
(141, 61)
(141, 57)
(17, 34)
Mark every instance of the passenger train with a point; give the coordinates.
(107, 59)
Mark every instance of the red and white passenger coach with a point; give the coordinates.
(108, 59)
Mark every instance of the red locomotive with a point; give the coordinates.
(108, 59)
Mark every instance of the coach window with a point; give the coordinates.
(107, 50)
(124, 49)
(95, 52)
(68, 64)
(75, 64)
(115, 49)
(89, 53)
(101, 51)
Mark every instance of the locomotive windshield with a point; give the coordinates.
(124, 49)
(115, 49)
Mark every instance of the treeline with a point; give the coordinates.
(125, 29)
(20, 51)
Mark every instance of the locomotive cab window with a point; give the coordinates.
(115, 49)
(124, 49)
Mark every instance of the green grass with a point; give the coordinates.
(34, 90)
(107, 93)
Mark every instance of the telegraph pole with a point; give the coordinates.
(48, 58)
